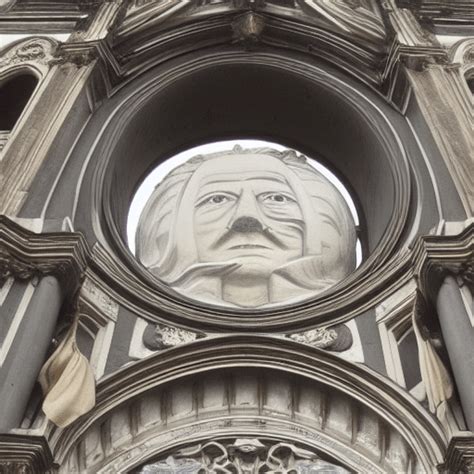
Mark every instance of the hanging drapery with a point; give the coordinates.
(67, 381)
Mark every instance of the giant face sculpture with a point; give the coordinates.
(247, 228)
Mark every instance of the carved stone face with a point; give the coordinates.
(248, 213)
(247, 228)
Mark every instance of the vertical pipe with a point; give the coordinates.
(458, 335)
(27, 353)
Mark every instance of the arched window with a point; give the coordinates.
(15, 92)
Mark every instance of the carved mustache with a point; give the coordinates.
(248, 225)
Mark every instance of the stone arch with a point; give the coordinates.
(120, 130)
(251, 386)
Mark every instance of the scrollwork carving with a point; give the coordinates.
(11, 266)
(25, 255)
(337, 338)
(158, 337)
(92, 293)
(243, 456)
(35, 50)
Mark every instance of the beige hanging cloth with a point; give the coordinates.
(67, 382)
(438, 385)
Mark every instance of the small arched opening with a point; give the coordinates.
(15, 92)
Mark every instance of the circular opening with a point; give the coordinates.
(245, 223)
(325, 117)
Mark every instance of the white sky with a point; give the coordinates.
(8, 38)
(146, 188)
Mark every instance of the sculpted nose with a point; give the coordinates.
(246, 224)
(247, 216)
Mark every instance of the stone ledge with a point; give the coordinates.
(24, 454)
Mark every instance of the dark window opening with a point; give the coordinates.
(15, 92)
(470, 83)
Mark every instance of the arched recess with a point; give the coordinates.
(17, 86)
(198, 99)
(16, 89)
(250, 387)
(23, 68)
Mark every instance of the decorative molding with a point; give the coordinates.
(78, 54)
(149, 297)
(248, 28)
(22, 454)
(430, 256)
(460, 454)
(39, 51)
(336, 338)
(445, 103)
(157, 337)
(243, 455)
(360, 18)
(450, 16)
(91, 293)
(437, 256)
(147, 338)
(351, 35)
(394, 318)
(353, 17)
(32, 138)
(24, 255)
(414, 423)
(406, 26)
(33, 16)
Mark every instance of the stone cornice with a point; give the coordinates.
(460, 453)
(449, 15)
(140, 41)
(24, 454)
(24, 255)
(438, 255)
(50, 16)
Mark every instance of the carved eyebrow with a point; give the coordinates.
(240, 176)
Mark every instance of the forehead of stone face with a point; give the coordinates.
(242, 166)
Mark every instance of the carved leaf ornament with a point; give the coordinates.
(243, 456)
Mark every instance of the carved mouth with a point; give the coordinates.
(248, 246)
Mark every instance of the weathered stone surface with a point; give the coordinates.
(247, 228)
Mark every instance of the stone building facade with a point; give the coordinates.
(106, 368)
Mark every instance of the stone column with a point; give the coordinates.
(458, 334)
(27, 354)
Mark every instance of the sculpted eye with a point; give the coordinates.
(276, 198)
(215, 199)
